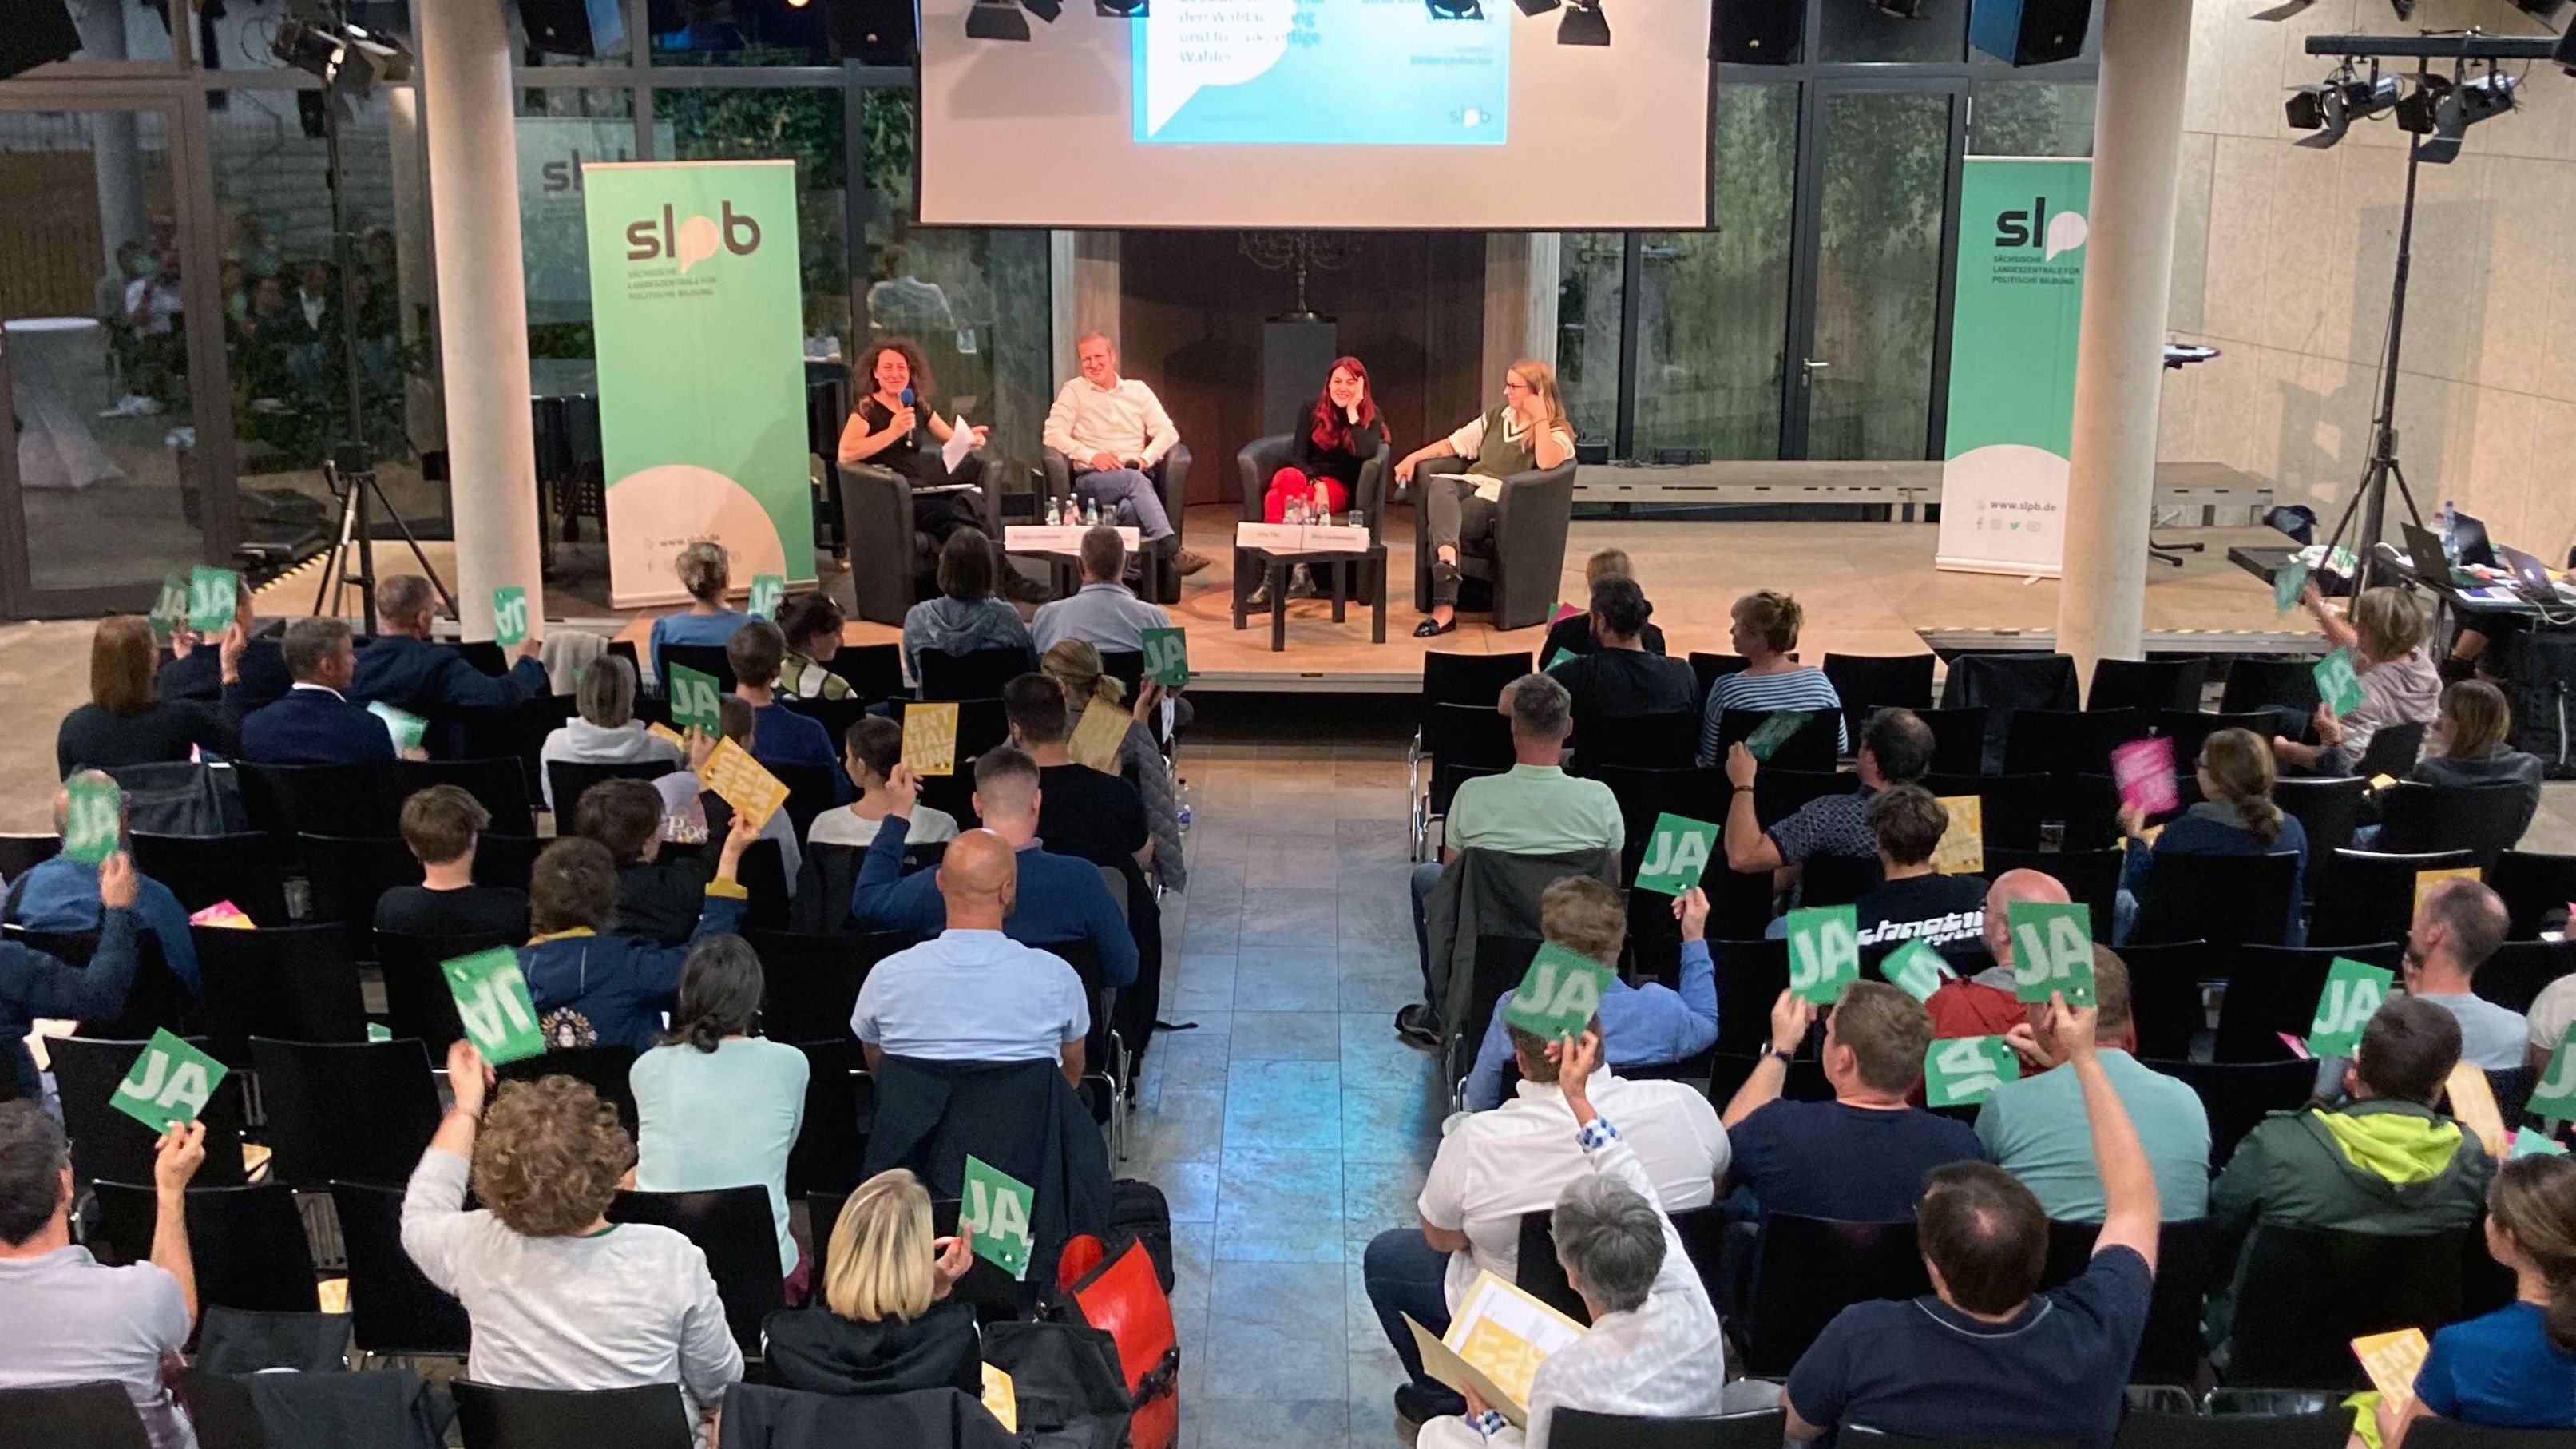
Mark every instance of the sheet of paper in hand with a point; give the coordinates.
(2554, 1099)
(1559, 995)
(768, 591)
(741, 782)
(2144, 770)
(405, 727)
(1098, 734)
(1962, 850)
(1965, 1070)
(930, 737)
(1917, 970)
(996, 1206)
(509, 616)
(2052, 952)
(1772, 733)
(1824, 952)
(93, 818)
(1676, 854)
(2392, 1360)
(696, 702)
(1495, 1344)
(493, 1005)
(2353, 991)
(171, 1082)
(2337, 684)
(1167, 657)
(212, 595)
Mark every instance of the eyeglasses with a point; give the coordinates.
(1514, 384)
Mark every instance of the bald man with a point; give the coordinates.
(974, 994)
(1985, 1004)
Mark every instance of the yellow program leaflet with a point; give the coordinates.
(1002, 1399)
(1962, 850)
(741, 782)
(930, 738)
(2426, 880)
(2392, 1360)
(1096, 739)
(1495, 1343)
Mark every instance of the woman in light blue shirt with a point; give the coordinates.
(705, 570)
(715, 1105)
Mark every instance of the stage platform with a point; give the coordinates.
(1868, 588)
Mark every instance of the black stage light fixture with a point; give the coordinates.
(1046, 10)
(1537, 7)
(350, 59)
(1120, 9)
(1584, 24)
(2463, 106)
(996, 20)
(2330, 108)
(1456, 9)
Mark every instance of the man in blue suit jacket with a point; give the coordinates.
(314, 723)
(403, 669)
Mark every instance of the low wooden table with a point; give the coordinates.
(1368, 564)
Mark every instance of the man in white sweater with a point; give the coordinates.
(1112, 429)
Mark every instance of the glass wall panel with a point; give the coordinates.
(1878, 274)
(285, 346)
(742, 32)
(97, 333)
(113, 30)
(978, 302)
(803, 125)
(1588, 301)
(1714, 316)
(561, 129)
(2031, 118)
(1857, 30)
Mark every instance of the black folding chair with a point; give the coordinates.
(2066, 742)
(566, 780)
(705, 658)
(2484, 820)
(394, 1310)
(2392, 751)
(976, 675)
(491, 1417)
(1459, 741)
(106, 1143)
(1806, 1270)
(1666, 741)
(205, 870)
(97, 1415)
(2306, 1293)
(2010, 808)
(2286, 688)
(2272, 991)
(2534, 886)
(286, 800)
(501, 785)
(1583, 1429)
(1958, 738)
(605, 1068)
(2226, 900)
(2238, 1096)
(840, 1106)
(875, 671)
(2189, 729)
(20, 854)
(2329, 810)
(1867, 683)
(346, 875)
(296, 983)
(2165, 1001)
(1708, 669)
(2150, 684)
(2370, 895)
(812, 981)
(248, 1243)
(733, 1226)
(1814, 747)
(1836, 880)
(2519, 971)
(2169, 1352)
(356, 1112)
(2091, 877)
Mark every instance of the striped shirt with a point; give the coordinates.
(1802, 688)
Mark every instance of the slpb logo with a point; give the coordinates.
(2052, 236)
(691, 241)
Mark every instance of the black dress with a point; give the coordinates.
(1341, 464)
(916, 460)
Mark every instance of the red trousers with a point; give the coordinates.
(1288, 481)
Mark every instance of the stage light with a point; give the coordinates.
(1456, 9)
(350, 59)
(1046, 10)
(1120, 9)
(996, 20)
(1537, 7)
(2463, 106)
(1584, 24)
(2330, 108)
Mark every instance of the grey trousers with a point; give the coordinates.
(1457, 519)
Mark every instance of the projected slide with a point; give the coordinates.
(1328, 72)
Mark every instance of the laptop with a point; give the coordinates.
(2531, 576)
(2425, 557)
(2470, 535)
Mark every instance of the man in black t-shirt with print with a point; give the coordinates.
(1985, 1354)
(1914, 902)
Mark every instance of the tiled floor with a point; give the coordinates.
(1289, 1125)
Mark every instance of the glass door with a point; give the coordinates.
(1868, 375)
(111, 328)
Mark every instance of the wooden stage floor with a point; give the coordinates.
(1868, 588)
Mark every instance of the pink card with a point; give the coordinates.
(1564, 612)
(2145, 772)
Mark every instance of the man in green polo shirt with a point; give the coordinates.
(1534, 808)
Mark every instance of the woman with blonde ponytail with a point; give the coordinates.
(2514, 1368)
(2235, 816)
(1460, 497)
(1075, 667)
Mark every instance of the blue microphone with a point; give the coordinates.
(908, 397)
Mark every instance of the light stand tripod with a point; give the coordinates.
(351, 468)
(2370, 502)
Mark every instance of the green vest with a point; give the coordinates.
(1500, 457)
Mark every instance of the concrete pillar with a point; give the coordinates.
(1520, 303)
(114, 152)
(482, 302)
(1085, 275)
(414, 257)
(2119, 371)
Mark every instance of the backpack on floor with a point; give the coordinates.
(1067, 1381)
(2539, 675)
(1118, 1292)
(1139, 1210)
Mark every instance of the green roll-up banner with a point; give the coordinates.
(2022, 230)
(698, 316)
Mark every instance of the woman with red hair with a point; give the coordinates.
(1338, 438)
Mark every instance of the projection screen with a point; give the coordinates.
(1279, 114)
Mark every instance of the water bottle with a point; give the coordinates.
(1294, 512)
(1091, 514)
(2446, 523)
(1322, 510)
(1055, 513)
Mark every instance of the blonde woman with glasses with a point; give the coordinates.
(1460, 502)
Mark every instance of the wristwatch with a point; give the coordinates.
(1783, 1058)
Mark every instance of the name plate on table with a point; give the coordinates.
(1301, 538)
(1058, 538)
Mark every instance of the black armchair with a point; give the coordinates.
(888, 555)
(1171, 482)
(1262, 457)
(1528, 558)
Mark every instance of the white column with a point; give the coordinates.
(1085, 279)
(2119, 372)
(482, 302)
(414, 256)
(1520, 301)
(115, 154)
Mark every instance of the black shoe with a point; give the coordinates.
(1301, 583)
(1416, 1406)
(1432, 628)
(1419, 1026)
(1260, 602)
